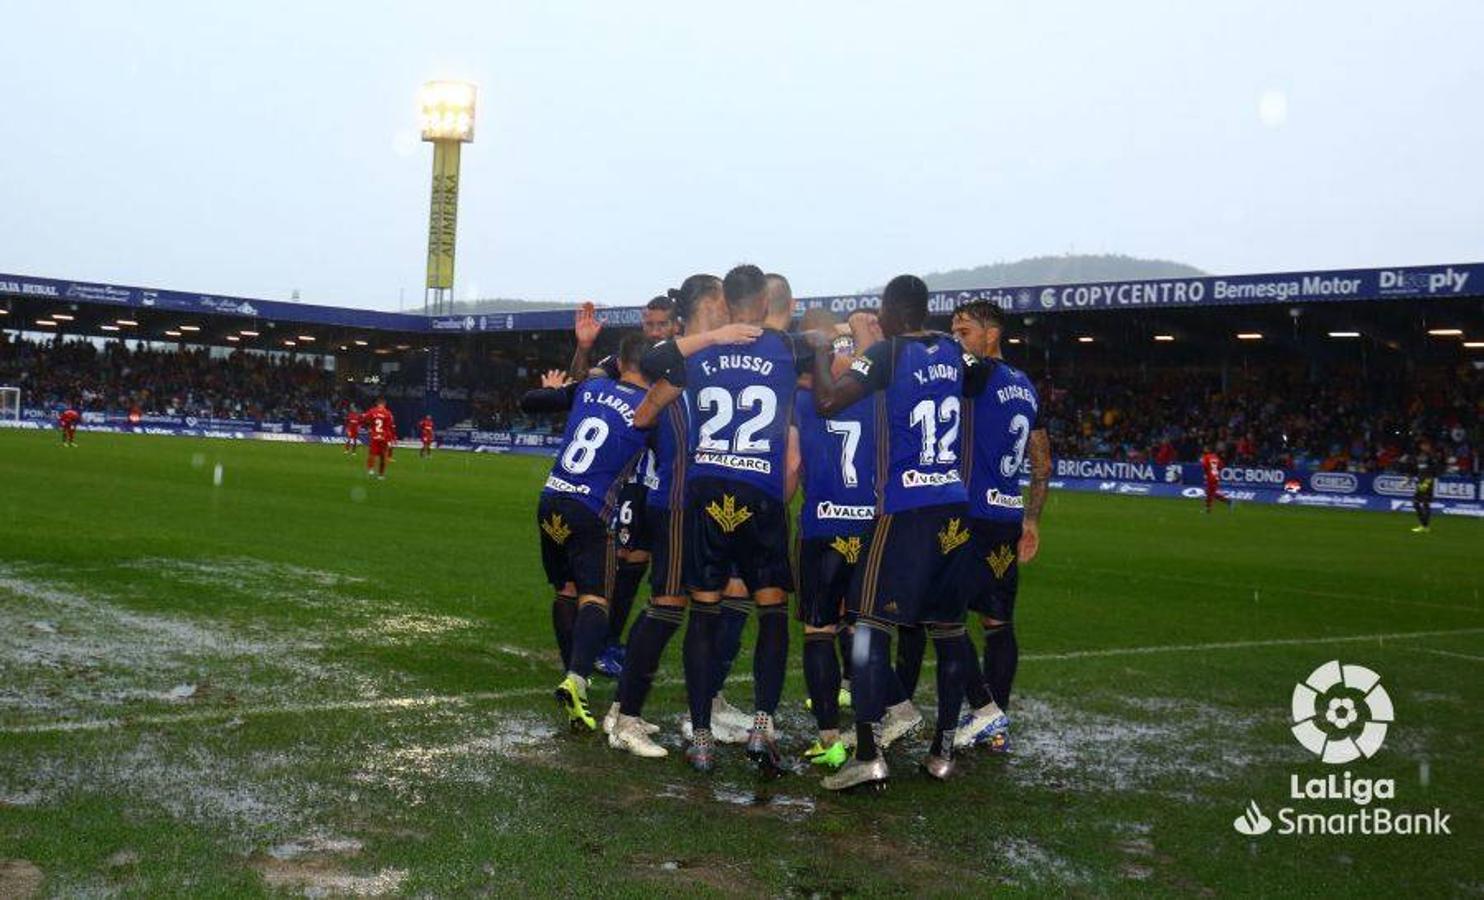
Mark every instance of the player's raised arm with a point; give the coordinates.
(832, 395)
(586, 327)
(555, 395)
(1039, 449)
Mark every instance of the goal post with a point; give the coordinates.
(10, 403)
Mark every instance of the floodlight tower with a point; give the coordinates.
(447, 109)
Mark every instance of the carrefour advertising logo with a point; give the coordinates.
(1341, 714)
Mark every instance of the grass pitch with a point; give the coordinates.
(299, 681)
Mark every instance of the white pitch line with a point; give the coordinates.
(436, 700)
(1241, 645)
(1448, 653)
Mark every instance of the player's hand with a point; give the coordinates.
(865, 330)
(1030, 544)
(736, 333)
(587, 325)
(820, 340)
(555, 379)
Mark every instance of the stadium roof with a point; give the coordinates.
(101, 301)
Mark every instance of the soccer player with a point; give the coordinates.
(381, 429)
(67, 421)
(736, 503)
(1211, 468)
(599, 450)
(839, 480)
(701, 314)
(352, 428)
(913, 572)
(1002, 428)
(659, 324)
(1422, 495)
(426, 430)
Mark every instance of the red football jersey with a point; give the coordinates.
(1211, 465)
(69, 417)
(353, 420)
(427, 427)
(380, 424)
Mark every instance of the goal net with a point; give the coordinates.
(10, 404)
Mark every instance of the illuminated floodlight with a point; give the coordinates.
(62, 317)
(307, 338)
(127, 323)
(1474, 345)
(233, 338)
(1084, 339)
(172, 334)
(46, 322)
(360, 343)
(1164, 338)
(447, 110)
(108, 327)
(1344, 334)
(1445, 332)
(245, 333)
(1249, 335)
(189, 327)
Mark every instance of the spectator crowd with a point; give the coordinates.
(1273, 417)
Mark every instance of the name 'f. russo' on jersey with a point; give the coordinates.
(600, 445)
(741, 403)
(997, 426)
(839, 459)
(921, 381)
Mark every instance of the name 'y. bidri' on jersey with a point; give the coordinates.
(997, 427)
(920, 380)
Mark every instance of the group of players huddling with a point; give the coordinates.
(681, 454)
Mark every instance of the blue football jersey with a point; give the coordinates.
(664, 470)
(920, 380)
(741, 400)
(600, 445)
(997, 425)
(839, 460)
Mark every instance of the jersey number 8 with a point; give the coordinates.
(583, 448)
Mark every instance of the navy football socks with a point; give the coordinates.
(648, 638)
(588, 635)
(822, 678)
(770, 657)
(563, 615)
(700, 662)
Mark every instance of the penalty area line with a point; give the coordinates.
(1243, 645)
(437, 700)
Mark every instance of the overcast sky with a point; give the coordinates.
(258, 147)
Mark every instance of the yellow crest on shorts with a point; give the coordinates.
(1000, 560)
(556, 529)
(728, 514)
(952, 536)
(850, 548)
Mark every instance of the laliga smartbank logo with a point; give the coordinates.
(1341, 714)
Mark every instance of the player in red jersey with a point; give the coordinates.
(68, 421)
(381, 429)
(352, 428)
(425, 430)
(1211, 468)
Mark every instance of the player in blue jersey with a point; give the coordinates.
(658, 322)
(1002, 430)
(838, 471)
(913, 571)
(736, 502)
(701, 313)
(599, 450)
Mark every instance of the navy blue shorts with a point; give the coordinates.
(913, 569)
(994, 574)
(576, 546)
(735, 530)
(666, 529)
(630, 522)
(825, 566)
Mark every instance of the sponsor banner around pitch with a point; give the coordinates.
(1280, 497)
(1291, 481)
(1429, 282)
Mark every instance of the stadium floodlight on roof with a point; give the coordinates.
(62, 317)
(306, 338)
(1445, 332)
(189, 327)
(108, 327)
(245, 333)
(1249, 335)
(1085, 339)
(48, 323)
(172, 333)
(1474, 345)
(127, 323)
(1164, 338)
(1344, 334)
(447, 110)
